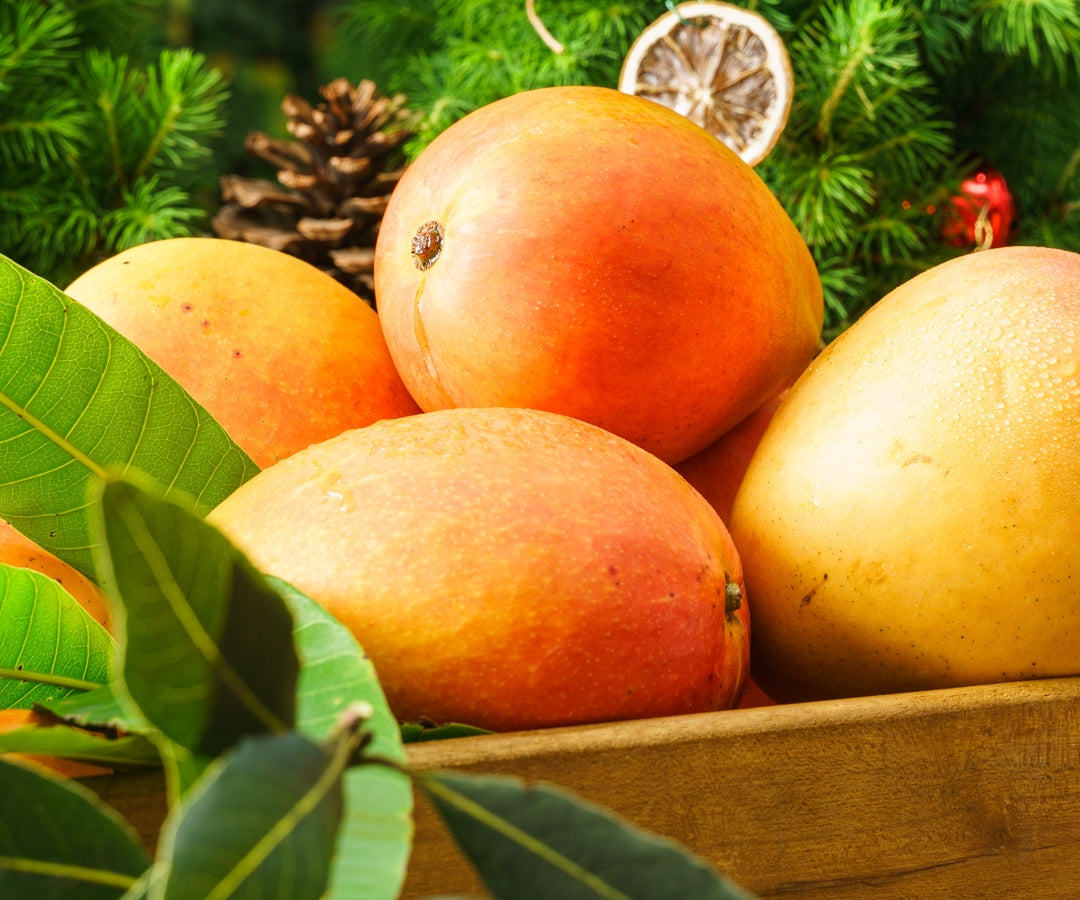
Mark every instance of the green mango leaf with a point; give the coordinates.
(207, 652)
(374, 839)
(375, 836)
(414, 732)
(58, 840)
(49, 645)
(77, 400)
(260, 823)
(99, 709)
(537, 842)
(335, 673)
(71, 742)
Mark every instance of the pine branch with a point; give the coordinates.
(149, 212)
(378, 37)
(945, 30)
(98, 151)
(476, 51)
(46, 138)
(37, 126)
(77, 227)
(1030, 124)
(854, 39)
(1022, 28)
(904, 147)
(888, 238)
(858, 60)
(45, 226)
(184, 97)
(829, 195)
(843, 284)
(37, 42)
(106, 81)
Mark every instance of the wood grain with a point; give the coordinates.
(957, 794)
(953, 794)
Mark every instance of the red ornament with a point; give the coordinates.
(981, 215)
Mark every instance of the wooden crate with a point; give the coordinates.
(960, 793)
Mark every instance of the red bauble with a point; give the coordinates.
(981, 215)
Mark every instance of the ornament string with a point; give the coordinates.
(673, 8)
(984, 229)
(537, 23)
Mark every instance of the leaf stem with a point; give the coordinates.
(500, 826)
(85, 874)
(63, 681)
(339, 762)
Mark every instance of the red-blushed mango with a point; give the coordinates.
(592, 253)
(507, 568)
(280, 353)
(911, 517)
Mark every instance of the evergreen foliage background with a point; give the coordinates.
(265, 49)
(117, 117)
(103, 132)
(895, 101)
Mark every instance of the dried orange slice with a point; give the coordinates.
(721, 66)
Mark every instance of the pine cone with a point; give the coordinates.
(335, 181)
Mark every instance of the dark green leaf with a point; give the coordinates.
(261, 822)
(58, 840)
(375, 836)
(206, 644)
(538, 842)
(182, 767)
(70, 742)
(78, 400)
(334, 673)
(49, 645)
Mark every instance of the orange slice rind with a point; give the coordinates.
(724, 67)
